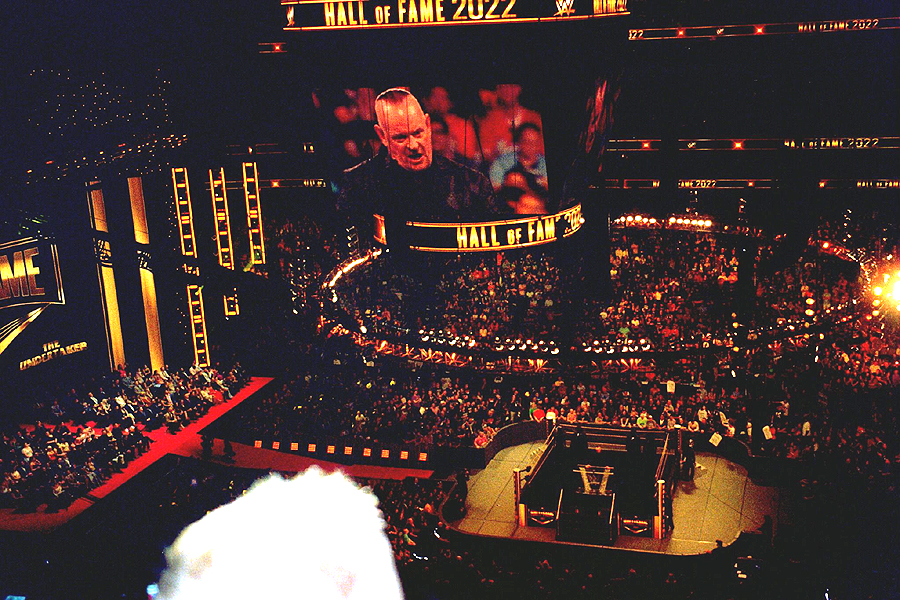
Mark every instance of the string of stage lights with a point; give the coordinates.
(711, 144)
(742, 184)
(799, 27)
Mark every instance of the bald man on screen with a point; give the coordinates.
(406, 180)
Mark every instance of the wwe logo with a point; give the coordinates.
(564, 8)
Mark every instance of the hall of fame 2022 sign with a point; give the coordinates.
(311, 15)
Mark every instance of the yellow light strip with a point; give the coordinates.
(352, 264)
(221, 218)
(198, 325)
(755, 29)
(254, 214)
(97, 208)
(151, 317)
(138, 210)
(16, 327)
(110, 302)
(182, 192)
(148, 284)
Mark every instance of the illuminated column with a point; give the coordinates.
(198, 324)
(182, 192)
(223, 233)
(254, 216)
(148, 285)
(106, 276)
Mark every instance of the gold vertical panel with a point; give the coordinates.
(254, 214)
(151, 316)
(138, 211)
(111, 314)
(148, 284)
(97, 207)
(182, 192)
(198, 324)
(222, 221)
(109, 300)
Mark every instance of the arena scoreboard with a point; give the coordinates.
(311, 15)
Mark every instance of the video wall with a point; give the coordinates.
(51, 322)
(487, 144)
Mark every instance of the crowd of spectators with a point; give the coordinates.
(474, 297)
(351, 402)
(817, 283)
(78, 439)
(798, 394)
(671, 290)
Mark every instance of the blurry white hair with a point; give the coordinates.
(314, 536)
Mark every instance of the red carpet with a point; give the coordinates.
(162, 443)
(187, 443)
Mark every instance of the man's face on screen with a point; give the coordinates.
(407, 135)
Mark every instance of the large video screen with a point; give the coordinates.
(436, 153)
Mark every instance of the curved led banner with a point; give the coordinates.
(311, 15)
(494, 236)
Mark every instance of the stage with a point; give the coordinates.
(719, 504)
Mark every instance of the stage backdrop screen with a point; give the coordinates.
(435, 153)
